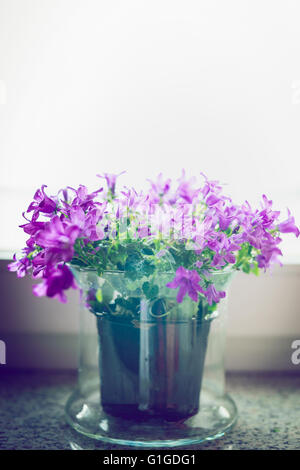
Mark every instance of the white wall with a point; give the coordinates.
(148, 86)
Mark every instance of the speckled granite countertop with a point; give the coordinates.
(32, 412)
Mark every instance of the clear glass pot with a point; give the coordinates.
(151, 371)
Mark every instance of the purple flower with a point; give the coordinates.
(229, 257)
(210, 186)
(42, 203)
(58, 238)
(57, 280)
(143, 232)
(212, 200)
(20, 266)
(288, 226)
(33, 226)
(226, 216)
(269, 252)
(165, 217)
(218, 261)
(185, 189)
(39, 264)
(204, 233)
(159, 188)
(212, 295)
(188, 283)
(111, 180)
(83, 199)
(199, 264)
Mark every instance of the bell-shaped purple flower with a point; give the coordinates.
(288, 226)
(188, 283)
(20, 266)
(42, 203)
(212, 295)
(58, 279)
(111, 180)
(58, 238)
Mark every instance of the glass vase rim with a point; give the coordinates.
(227, 270)
(138, 323)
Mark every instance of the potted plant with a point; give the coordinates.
(152, 268)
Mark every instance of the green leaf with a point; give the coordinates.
(146, 288)
(133, 262)
(150, 291)
(246, 268)
(147, 251)
(255, 268)
(147, 268)
(99, 295)
(107, 292)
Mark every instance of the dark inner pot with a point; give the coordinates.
(151, 369)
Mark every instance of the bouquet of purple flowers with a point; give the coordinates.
(189, 229)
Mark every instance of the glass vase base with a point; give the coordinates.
(216, 416)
